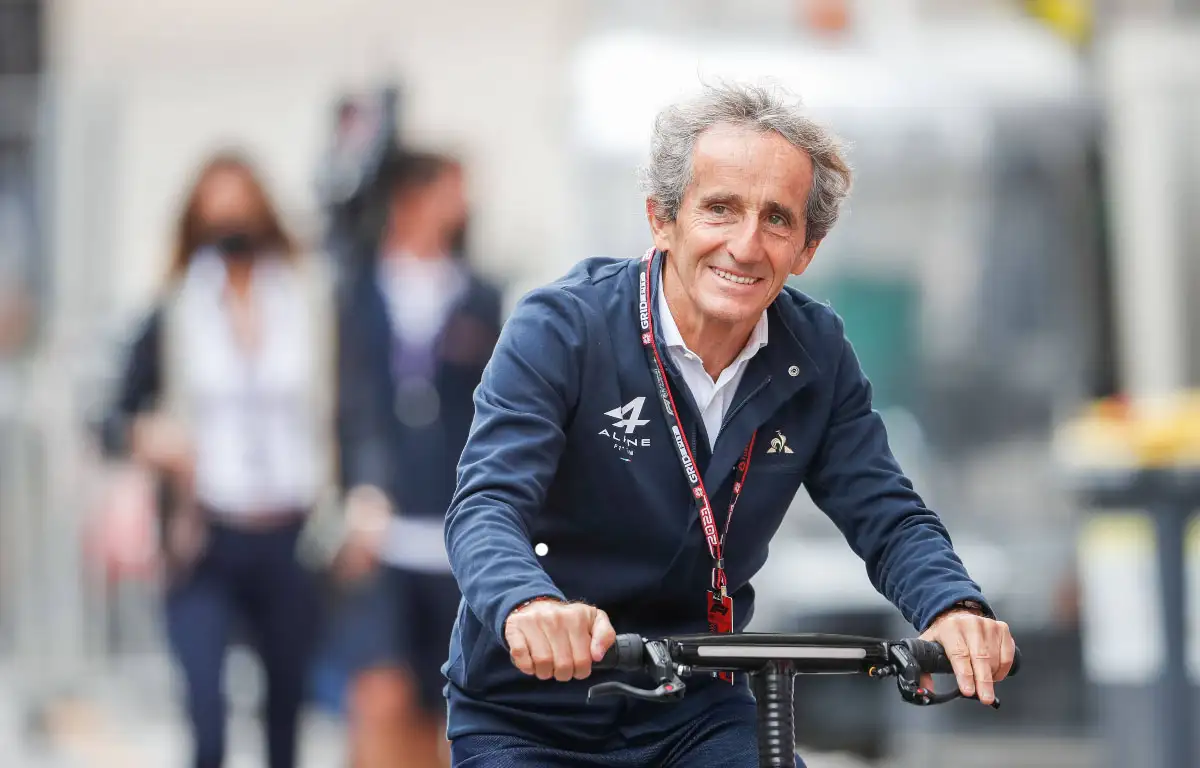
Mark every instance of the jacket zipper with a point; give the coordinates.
(734, 410)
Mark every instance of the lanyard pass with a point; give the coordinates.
(720, 620)
(720, 604)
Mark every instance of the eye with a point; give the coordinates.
(778, 220)
(719, 209)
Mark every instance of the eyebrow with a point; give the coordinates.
(723, 197)
(781, 209)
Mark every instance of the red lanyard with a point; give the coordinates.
(716, 543)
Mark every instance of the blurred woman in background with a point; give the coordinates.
(228, 396)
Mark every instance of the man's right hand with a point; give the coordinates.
(549, 638)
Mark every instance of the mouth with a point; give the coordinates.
(735, 278)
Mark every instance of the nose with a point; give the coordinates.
(745, 243)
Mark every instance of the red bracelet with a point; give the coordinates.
(533, 600)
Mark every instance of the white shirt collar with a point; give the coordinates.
(674, 339)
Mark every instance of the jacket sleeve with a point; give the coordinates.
(528, 391)
(362, 444)
(137, 388)
(856, 481)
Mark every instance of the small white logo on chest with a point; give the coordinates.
(779, 444)
(628, 419)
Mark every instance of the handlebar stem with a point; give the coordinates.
(773, 688)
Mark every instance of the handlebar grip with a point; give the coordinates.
(932, 658)
(626, 654)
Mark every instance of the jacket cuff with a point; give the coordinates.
(949, 603)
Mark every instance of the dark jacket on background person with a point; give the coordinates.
(552, 461)
(413, 463)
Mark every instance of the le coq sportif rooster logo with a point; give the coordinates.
(779, 444)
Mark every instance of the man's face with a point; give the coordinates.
(740, 230)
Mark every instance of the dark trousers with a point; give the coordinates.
(251, 580)
(724, 736)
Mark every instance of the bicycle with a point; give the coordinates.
(772, 662)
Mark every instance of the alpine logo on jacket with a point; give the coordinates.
(622, 433)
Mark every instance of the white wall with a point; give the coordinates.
(144, 89)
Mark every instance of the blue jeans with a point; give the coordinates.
(723, 737)
(251, 579)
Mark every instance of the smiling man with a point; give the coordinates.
(625, 412)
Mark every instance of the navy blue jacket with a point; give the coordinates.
(542, 466)
(413, 464)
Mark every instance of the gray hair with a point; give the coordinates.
(669, 171)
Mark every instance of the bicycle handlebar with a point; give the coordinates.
(772, 662)
(810, 653)
(667, 659)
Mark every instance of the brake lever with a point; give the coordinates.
(908, 680)
(662, 670)
(926, 698)
(668, 691)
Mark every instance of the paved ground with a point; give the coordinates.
(127, 718)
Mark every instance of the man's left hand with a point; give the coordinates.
(980, 649)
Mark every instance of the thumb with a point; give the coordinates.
(603, 635)
(927, 682)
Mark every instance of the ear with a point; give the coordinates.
(661, 230)
(804, 258)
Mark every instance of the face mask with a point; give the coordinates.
(235, 245)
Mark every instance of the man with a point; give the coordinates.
(622, 398)
(419, 327)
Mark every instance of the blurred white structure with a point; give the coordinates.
(1149, 76)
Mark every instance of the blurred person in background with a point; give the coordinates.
(228, 397)
(418, 328)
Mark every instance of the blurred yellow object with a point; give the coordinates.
(1117, 434)
(1070, 18)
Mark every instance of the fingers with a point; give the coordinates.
(926, 682)
(540, 652)
(952, 640)
(558, 635)
(981, 651)
(982, 656)
(603, 635)
(580, 660)
(1008, 651)
(519, 651)
(550, 639)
